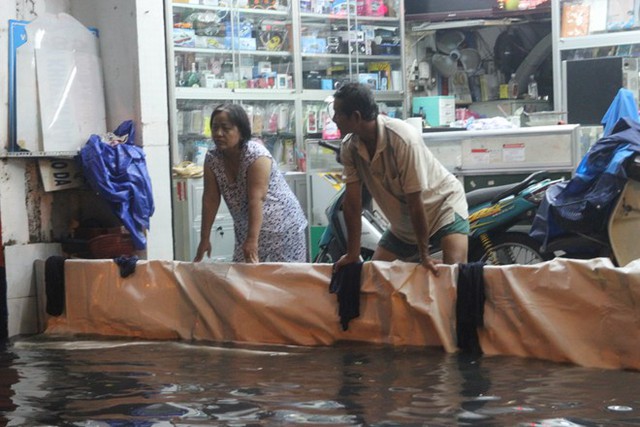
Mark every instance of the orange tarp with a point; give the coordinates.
(585, 312)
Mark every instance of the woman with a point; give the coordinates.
(268, 221)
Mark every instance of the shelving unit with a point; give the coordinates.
(329, 46)
(237, 54)
(335, 48)
(242, 55)
(564, 46)
(348, 46)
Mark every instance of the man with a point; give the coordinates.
(421, 199)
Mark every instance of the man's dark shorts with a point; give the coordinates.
(406, 250)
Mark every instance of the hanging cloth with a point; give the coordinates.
(345, 283)
(470, 306)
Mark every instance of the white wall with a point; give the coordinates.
(132, 48)
(133, 51)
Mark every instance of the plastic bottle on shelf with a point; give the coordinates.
(312, 119)
(178, 63)
(513, 87)
(532, 87)
(193, 78)
(182, 81)
(178, 70)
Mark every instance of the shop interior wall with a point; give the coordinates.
(132, 49)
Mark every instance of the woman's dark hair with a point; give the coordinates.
(357, 97)
(237, 116)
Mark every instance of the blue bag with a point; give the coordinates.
(118, 173)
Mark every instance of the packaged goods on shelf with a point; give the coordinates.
(313, 45)
(383, 69)
(273, 38)
(184, 37)
(370, 79)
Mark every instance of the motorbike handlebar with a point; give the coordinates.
(331, 146)
(633, 168)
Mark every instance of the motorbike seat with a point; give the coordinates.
(483, 195)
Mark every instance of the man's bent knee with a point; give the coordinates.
(455, 248)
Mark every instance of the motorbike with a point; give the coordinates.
(333, 241)
(499, 219)
(614, 237)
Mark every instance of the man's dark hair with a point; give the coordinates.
(357, 97)
(237, 116)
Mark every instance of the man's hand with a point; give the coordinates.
(344, 260)
(430, 264)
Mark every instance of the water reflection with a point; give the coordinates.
(8, 377)
(113, 383)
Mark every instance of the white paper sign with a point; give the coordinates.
(60, 174)
(70, 84)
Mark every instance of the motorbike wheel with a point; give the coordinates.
(329, 253)
(510, 248)
(323, 257)
(332, 253)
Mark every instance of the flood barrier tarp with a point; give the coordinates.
(578, 311)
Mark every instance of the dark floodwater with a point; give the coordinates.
(48, 382)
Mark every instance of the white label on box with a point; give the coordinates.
(282, 82)
(481, 155)
(447, 111)
(264, 67)
(513, 152)
(213, 82)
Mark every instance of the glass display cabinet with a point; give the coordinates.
(343, 41)
(590, 29)
(240, 53)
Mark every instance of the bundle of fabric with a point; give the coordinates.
(116, 169)
(187, 169)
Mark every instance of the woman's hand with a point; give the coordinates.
(250, 250)
(203, 247)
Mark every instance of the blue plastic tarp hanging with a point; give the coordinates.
(623, 106)
(583, 203)
(116, 169)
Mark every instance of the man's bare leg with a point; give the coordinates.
(382, 254)
(455, 248)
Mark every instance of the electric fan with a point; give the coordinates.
(450, 53)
